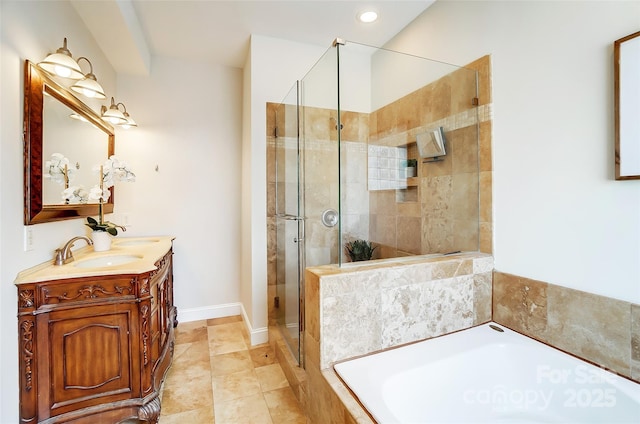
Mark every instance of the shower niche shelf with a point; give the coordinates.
(407, 195)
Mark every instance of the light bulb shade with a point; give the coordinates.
(61, 63)
(78, 117)
(130, 122)
(113, 114)
(89, 87)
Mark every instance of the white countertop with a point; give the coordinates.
(148, 249)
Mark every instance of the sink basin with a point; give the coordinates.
(106, 261)
(136, 242)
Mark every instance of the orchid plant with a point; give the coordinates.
(58, 169)
(111, 171)
(75, 194)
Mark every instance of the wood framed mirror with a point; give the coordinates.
(626, 52)
(86, 141)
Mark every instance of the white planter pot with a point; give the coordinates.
(101, 241)
(411, 172)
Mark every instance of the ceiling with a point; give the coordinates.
(130, 32)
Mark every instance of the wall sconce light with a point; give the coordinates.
(61, 63)
(113, 114)
(89, 85)
(116, 117)
(130, 122)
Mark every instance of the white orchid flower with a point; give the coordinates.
(96, 194)
(58, 168)
(75, 194)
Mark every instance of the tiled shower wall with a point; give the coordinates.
(444, 208)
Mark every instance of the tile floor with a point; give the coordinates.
(217, 377)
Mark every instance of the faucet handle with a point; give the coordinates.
(58, 258)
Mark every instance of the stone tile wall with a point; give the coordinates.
(362, 309)
(448, 206)
(600, 329)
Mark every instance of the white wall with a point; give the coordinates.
(27, 33)
(272, 67)
(189, 126)
(559, 215)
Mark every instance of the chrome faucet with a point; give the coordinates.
(64, 255)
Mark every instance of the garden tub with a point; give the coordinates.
(487, 374)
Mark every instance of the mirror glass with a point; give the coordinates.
(627, 106)
(64, 142)
(74, 143)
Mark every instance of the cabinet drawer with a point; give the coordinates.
(85, 291)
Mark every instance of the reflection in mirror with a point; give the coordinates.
(627, 106)
(72, 142)
(51, 137)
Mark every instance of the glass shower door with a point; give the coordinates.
(289, 222)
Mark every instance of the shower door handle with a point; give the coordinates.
(289, 217)
(297, 239)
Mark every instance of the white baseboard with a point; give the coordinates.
(257, 336)
(209, 312)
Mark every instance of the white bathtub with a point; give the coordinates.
(481, 375)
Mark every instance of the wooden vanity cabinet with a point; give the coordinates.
(95, 349)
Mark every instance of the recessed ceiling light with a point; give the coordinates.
(367, 16)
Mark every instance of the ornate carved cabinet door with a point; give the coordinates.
(88, 351)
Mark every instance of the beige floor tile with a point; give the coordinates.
(226, 338)
(262, 355)
(235, 385)
(283, 406)
(228, 363)
(195, 416)
(194, 362)
(179, 349)
(246, 410)
(271, 377)
(187, 395)
(191, 335)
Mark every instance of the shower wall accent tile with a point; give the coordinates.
(599, 329)
(485, 156)
(486, 237)
(382, 304)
